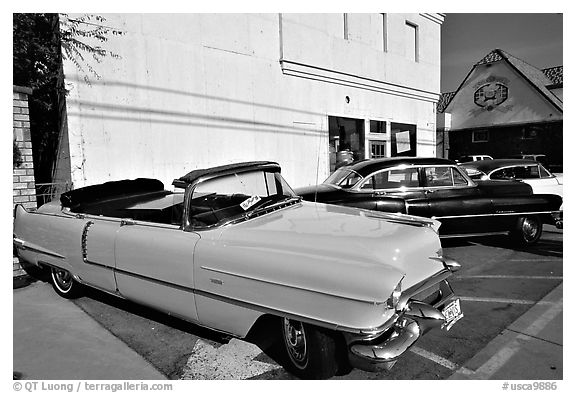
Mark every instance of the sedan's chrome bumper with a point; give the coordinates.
(382, 352)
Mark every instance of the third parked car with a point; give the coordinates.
(527, 171)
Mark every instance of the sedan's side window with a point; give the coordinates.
(526, 172)
(543, 172)
(505, 173)
(394, 178)
(459, 179)
(438, 176)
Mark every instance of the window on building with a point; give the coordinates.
(529, 133)
(480, 136)
(377, 149)
(377, 127)
(385, 32)
(411, 41)
(345, 26)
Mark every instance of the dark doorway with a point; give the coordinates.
(346, 141)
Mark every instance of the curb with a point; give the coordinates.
(518, 343)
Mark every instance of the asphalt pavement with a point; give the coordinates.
(55, 339)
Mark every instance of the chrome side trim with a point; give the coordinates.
(154, 280)
(398, 218)
(98, 264)
(496, 214)
(22, 245)
(480, 234)
(373, 302)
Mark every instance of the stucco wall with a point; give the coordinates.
(196, 90)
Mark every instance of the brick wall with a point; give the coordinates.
(24, 191)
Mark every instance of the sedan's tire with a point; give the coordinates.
(64, 284)
(311, 352)
(528, 230)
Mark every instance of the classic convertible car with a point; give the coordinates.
(344, 287)
(440, 189)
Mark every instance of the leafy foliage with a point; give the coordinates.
(76, 35)
(37, 64)
(41, 42)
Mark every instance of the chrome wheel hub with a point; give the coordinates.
(295, 340)
(62, 278)
(529, 229)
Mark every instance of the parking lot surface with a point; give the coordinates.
(512, 329)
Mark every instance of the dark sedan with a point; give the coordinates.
(438, 188)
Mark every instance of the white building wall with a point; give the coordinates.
(196, 90)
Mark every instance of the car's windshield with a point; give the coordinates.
(343, 177)
(223, 198)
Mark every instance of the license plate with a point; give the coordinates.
(452, 312)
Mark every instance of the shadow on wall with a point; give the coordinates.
(109, 111)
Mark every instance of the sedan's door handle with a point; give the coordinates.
(428, 191)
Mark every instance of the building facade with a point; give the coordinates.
(504, 107)
(308, 91)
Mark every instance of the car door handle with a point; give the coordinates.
(380, 193)
(428, 191)
(127, 222)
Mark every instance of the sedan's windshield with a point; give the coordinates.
(343, 177)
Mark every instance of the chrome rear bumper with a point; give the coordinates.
(382, 352)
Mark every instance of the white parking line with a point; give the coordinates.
(498, 276)
(499, 300)
(435, 358)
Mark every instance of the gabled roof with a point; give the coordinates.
(555, 75)
(542, 80)
(445, 99)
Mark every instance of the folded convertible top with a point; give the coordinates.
(108, 190)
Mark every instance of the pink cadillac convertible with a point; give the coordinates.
(233, 244)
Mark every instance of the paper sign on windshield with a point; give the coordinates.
(248, 203)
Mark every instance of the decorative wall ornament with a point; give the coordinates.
(490, 93)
